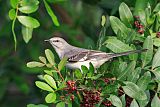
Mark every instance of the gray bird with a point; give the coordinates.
(79, 56)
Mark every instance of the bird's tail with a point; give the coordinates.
(127, 53)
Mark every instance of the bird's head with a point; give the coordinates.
(58, 43)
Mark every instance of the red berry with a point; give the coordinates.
(158, 34)
(140, 31)
(72, 97)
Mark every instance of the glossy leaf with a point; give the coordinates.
(128, 70)
(103, 20)
(156, 42)
(51, 13)
(78, 74)
(157, 74)
(117, 25)
(140, 6)
(50, 98)
(62, 63)
(116, 45)
(36, 105)
(50, 56)
(115, 100)
(84, 69)
(157, 8)
(144, 81)
(28, 2)
(134, 91)
(43, 86)
(146, 57)
(50, 81)
(34, 64)
(12, 14)
(155, 101)
(42, 59)
(28, 21)
(126, 15)
(14, 3)
(27, 33)
(61, 104)
(28, 9)
(156, 59)
(134, 75)
(134, 103)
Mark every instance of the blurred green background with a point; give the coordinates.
(80, 25)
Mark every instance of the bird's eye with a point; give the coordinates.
(56, 41)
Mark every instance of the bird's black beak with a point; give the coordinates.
(47, 40)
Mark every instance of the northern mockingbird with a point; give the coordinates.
(79, 56)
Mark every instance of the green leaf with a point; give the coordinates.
(143, 103)
(156, 59)
(146, 57)
(144, 81)
(84, 69)
(134, 76)
(126, 15)
(130, 68)
(115, 100)
(50, 98)
(44, 86)
(132, 35)
(78, 74)
(42, 59)
(155, 101)
(156, 42)
(157, 74)
(38, 105)
(12, 14)
(117, 25)
(140, 6)
(50, 81)
(134, 103)
(91, 70)
(28, 21)
(61, 104)
(28, 9)
(134, 91)
(103, 20)
(50, 56)
(29, 2)
(116, 45)
(62, 63)
(34, 64)
(157, 8)
(27, 33)
(14, 3)
(123, 100)
(51, 13)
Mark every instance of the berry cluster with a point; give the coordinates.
(128, 101)
(71, 87)
(158, 34)
(120, 91)
(107, 103)
(90, 98)
(106, 80)
(138, 25)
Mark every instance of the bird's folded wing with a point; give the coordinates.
(87, 55)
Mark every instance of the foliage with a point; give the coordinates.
(127, 81)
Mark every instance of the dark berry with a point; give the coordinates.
(158, 34)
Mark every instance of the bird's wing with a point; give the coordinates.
(86, 55)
